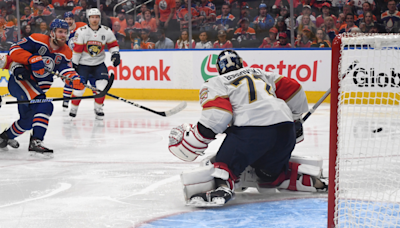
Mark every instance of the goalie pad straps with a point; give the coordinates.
(222, 171)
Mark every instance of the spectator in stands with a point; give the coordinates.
(149, 22)
(281, 26)
(366, 7)
(105, 20)
(340, 21)
(349, 24)
(26, 19)
(163, 42)
(165, 11)
(359, 5)
(375, 29)
(306, 11)
(184, 16)
(284, 12)
(226, 20)
(244, 35)
(263, 22)
(11, 30)
(305, 21)
(26, 31)
(367, 22)
(222, 41)
(203, 43)
(146, 43)
(40, 15)
(120, 36)
(79, 8)
(140, 16)
(134, 39)
(325, 13)
(282, 42)
(348, 9)
(321, 40)
(330, 28)
(121, 20)
(59, 3)
(305, 38)
(49, 7)
(269, 41)
(391, 18)
(3, 36)
(131, 26)
(183, 41)
(43, 28)
(207, 15)
(284, 3)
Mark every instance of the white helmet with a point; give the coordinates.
(93, 11)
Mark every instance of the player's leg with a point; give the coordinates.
(275, 170)
(40, 121)
(84, 72)
(66, 94)
(101, 77)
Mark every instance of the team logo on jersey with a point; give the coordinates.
(203, 95)
(48, 66)
(94, 47)
(208, 67)
(103, 37)
(163, 5)
(42, 50)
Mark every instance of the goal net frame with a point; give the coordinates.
(337, 71)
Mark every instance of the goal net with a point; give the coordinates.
(364, 162)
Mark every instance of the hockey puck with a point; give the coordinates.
(377, 130)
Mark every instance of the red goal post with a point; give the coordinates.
(364, 181)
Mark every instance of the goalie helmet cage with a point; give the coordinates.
(364, 157)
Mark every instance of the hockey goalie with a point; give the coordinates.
(263, 112)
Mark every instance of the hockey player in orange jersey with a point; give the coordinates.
(30, 78)
(88, 58)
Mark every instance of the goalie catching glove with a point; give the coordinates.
(186, 142)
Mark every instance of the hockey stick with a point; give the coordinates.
(170, 112)
(34, 101)
(312, 110)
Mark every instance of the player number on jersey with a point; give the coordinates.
(252, 89)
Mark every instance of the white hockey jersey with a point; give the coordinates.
(90, 44)
(250, 97)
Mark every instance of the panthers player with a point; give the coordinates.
(34, 57)
(261, 108)
(88, 57)
(73, 26)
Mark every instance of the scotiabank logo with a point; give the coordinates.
(141, 73)
(301, 72)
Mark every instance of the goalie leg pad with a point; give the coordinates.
(197, 181)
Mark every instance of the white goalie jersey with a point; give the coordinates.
(250, 97)
(89, 45)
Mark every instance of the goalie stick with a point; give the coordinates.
(100, 94)
(312, 110)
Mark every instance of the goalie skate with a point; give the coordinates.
(212, 198)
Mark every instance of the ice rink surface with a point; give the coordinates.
(119, 173)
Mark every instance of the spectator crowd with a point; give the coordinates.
(164, 24)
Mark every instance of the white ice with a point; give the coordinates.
(114, 173)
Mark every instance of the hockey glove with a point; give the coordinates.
(20, 72)
(115, 58)
(77, 82)
(186, 142)
(37, 64)
(299, 131)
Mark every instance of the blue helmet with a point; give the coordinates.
(58, 23)
(228, 60)
(68, 14)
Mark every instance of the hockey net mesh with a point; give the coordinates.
(367, 179)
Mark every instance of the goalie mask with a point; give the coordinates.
(228, 60)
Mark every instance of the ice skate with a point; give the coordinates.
(212, 198)
(99, 113)
(65, 105)
(38, 149)
(73, 112)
